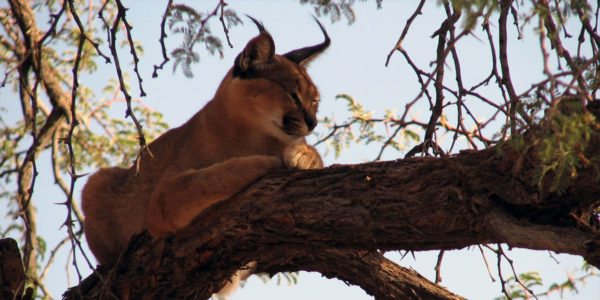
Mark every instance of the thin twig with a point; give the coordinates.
(161, 40)
(225, 30)
(487, 265)
(438, 267)
(113, 48)
(409, 21)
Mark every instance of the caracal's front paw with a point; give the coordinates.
(302, 156)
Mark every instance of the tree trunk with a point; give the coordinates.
(12, 276)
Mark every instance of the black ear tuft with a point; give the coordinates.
(261, 27)
(259, 52)
(304, 55)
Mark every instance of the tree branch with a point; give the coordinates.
(377, 275)
(12, 276)
(290, 220)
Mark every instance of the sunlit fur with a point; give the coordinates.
(256, 122)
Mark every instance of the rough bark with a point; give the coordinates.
(334, 221)
(12, 276)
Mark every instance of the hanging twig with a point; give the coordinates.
(161, 40)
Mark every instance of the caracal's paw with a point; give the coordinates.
(302, 156)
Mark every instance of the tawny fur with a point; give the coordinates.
(240, 135)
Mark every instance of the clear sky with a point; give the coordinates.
(354, 64)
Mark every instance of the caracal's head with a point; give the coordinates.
(273, 93)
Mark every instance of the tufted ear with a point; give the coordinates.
(259, 52)
(304, 55)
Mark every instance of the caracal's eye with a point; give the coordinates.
(316, 101)
(296, 98)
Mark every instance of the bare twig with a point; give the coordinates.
(505, 7)
(438, 267)
(436, 110)
(121, 17)
(487, 265)
(161, 40)
(388, 142)
(68, 223)
(225, 30)
(409, 21)
(113, 48)
(516, 276)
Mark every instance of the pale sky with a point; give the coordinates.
(354, 65)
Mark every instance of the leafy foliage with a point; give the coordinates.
(290, 278)
(533, 279)
(335, 9)
(362, 128)
(116, 143)
(564, 140)
(194, 27)
(473, 10)
(102, 137)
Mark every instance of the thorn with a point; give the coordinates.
(81, 175)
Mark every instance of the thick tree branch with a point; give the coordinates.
(290, 220)
(12, 276)
(377, 275)
(24, 16)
